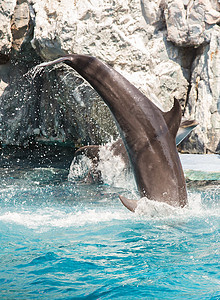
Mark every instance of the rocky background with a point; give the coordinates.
(166, 48)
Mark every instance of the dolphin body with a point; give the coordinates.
(148, 133)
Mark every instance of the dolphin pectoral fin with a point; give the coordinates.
(185, 128)
(173, 118)
(129, 203)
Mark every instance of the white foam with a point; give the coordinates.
(195, 208)
(151, 208)
(45, 219)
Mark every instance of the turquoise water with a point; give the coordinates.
(61, 240)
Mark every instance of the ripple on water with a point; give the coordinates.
(72, 241)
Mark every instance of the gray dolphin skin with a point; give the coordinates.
(148, 133)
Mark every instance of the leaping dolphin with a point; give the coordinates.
(148, 133)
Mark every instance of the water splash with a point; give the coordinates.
(200, 205)
(111, 169)
(81, 169)
(105, 209)
(33, 72)
(47, 219)
(40, 69)
(31, 199)
(114, 170)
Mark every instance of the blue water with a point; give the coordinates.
(61, 240)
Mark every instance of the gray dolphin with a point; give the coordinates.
(148, 133)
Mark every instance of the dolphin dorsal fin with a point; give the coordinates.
(173, 118)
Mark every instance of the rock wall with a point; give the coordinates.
(166, 48)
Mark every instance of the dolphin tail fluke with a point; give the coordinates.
(129, 203)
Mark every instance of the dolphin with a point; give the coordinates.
(148, 133)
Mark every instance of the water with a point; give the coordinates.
(64, 240)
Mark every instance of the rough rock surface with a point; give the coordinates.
(6, 11)
(189, 23)
(166, 48)
(204, 97)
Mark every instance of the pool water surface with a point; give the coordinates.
(65, 240)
